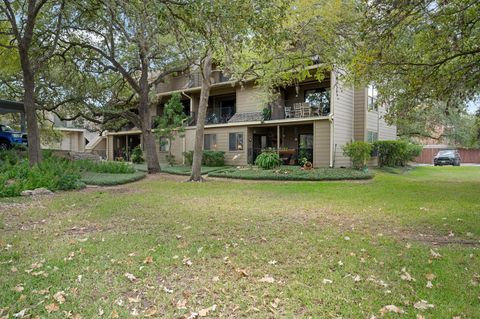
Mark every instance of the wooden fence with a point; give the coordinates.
(466, 155)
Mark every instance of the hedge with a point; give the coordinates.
(395, 153)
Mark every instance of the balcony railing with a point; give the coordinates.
(294, 109)
(211, 118)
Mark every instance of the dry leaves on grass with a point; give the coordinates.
(148, 260)
(205, 312)
(422, 305)
(435, 254)
(53, 307)
(406, 276)
(60, 297)
(267, 279)
(181, 304)
(391, 308)
(130, 277)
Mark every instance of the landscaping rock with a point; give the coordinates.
(37, 191)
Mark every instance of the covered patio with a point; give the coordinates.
(291, 142)
(7, 107)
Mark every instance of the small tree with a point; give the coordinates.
(359, 152)
(172, 123)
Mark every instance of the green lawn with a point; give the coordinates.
(106, 179)
(253, 249)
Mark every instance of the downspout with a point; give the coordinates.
(331, 119)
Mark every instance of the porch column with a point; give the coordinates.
(126, 147)
(278, 139)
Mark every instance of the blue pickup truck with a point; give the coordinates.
(9, 137)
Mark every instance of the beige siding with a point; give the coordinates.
(249, 99)
(176, 148)
(386, 132)
(110, 147)
(359, 128)
(372, 121)
(231, 158)
(321, 143)
(343, 101)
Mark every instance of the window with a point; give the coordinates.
(372, 98)
(164, 144)
(209, 141)
(235, 142)
(319, 99)
(372, 136)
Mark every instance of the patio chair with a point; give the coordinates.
(297, 109)
(288, 112)
(306, 110)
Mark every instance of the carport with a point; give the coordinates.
(14, 107)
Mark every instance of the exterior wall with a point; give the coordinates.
(249, 99)
(321, 144)
(70, 141)
(386, 132)
(360, 118)
(231, 157)
(343, 110)
(109, 139)
(101, 147)
(176, 148)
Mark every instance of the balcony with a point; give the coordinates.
(291, 109)
(211, 118)
(189, 80)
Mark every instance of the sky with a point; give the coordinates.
(473, 106)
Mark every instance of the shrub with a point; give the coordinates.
(188, 158)
(209, 158)
(395, 153)
(52, 173)
(137, 155)
(268, 160)
(213, 158)
(170, 159)
(105, 167)
(359, 153)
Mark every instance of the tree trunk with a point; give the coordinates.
(34, 150)
(202, 112)
(150, 147)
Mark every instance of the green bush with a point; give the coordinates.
(209, 158)
(395, 153)
(105, 167)
(268, 160)
(170, 159)
(188, 158)
(137, 155)
(52, 173)
(359, 153)
(213, 158)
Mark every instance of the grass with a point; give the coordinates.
(187, 170)
(212, 243)
(108, 179)
(291, 173)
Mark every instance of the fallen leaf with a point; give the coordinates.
(435, 254)
(53, 307)
(114, 314)
(391, 308)
(14, 269)
(215, 278)
(168, 291)
(272, 262)
(60, 297)
(420, 317)
(406, 276)
(326, 281)
(275, 303)
(430, 276)
(100, 312)
(422, 305)
(134, 299)
(186, 261)
(20, 314)
(18, 288)
(130, 277)
(150, 312)
(357, 278)
(148, 260)
(429, 284)
(346, 238)
(242, 272)
(182, 304)
(268, 279)
(205, 312)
